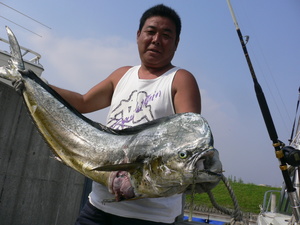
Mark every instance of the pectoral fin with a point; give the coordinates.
(119, 167)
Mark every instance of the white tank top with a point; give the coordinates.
(136, 101)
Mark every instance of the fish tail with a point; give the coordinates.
(15, 63)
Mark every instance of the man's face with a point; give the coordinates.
(157, 41)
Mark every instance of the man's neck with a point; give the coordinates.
(152, 72)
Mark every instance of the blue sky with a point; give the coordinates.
(90, 39)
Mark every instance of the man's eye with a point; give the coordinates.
(151, 32)
(167, 36)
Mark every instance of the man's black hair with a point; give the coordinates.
(163, 11)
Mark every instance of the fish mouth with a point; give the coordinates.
(203, 162)
(206, 171)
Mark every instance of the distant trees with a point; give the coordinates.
(233, 179)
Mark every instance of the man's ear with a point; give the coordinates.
(177, 42)
(138, 33)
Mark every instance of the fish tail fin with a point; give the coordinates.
(15, 63)
(16, 60)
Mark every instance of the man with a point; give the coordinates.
(137, 95)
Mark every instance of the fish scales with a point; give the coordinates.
(73, 140)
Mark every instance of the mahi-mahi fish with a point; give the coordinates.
(158, 159)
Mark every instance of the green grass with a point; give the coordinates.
(249, 196)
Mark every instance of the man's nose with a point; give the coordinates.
(156, 39)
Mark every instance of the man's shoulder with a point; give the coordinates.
(119, 73)
(183, 74)
(183, 79)
(122, 70)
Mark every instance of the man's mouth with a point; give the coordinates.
(154, 50)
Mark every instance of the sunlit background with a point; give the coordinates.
(82, 42)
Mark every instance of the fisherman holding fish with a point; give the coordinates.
(136, 95)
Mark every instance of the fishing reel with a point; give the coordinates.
(291, 155)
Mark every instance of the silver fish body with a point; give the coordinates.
(160, 157)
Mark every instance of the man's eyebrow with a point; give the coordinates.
(165, 29)
(151, 27)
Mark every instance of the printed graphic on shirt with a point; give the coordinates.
(135, 109)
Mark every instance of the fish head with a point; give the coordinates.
(201, 167)
(184, 155)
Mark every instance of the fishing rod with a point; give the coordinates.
(284, 154)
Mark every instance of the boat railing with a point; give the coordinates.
(270, 201)
(34, 60)
(30, 63)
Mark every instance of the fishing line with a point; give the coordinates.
(274, 86)
(25, 15)
(20, 26)
(269, 72)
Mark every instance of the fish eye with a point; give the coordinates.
(183, 154)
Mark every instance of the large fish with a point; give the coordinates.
(157, 159)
